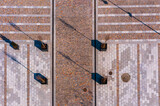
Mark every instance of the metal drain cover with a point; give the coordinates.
(125, 77)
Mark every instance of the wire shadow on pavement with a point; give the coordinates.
(130, 14)
(14, 59)
(95, 76)
(70, 26)
(94, 43)
(68, 58)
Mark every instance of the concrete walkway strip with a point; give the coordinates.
(43, 7)
(26, 23)
(129, 6)
(23, 15)
(118, 32)
(128, 23)
(13, 32)
(116, 15)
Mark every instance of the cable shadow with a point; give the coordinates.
(130, 14)
(95, 76)
(19, 29)
(94, 43)
(14, 59)
(70, 26)
(68, 58)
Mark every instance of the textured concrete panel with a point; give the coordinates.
(17, 76)
(40, 95)
(1, 75)
(128, 64)
(149, 75)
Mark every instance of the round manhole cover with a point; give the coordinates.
(125, 77)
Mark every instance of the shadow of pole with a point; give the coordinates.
(18, 28)
(70, 26)
(95, 76)
(130, 14)
(14, 59)
(68, 58)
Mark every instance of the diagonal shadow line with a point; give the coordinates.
(70, 26)
(130, 14)
(68, 58)
(19, 29)
(14, 59)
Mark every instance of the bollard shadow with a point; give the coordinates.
(130, 14)
(104, 1)
(97, 77)
(11, 43)
(38, 44)
(96, 44)
(5, 39)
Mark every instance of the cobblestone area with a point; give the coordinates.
(149, 75)
(40, 63)
(143, 91)
(128, 64)
(106, 94)
(16, 78)
(2, 75)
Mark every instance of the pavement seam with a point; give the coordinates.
(138, 74)
(117, 50)
(28, 73)
(159, 70)
(5, 75)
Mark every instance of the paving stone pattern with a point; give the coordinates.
(16, 84)
(149, 75)
(2, 75)
(128, 91)
(106, 94)
(128, 64)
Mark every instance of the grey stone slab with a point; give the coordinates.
(1, 75)
(17, 76)
(128, 64)
(106, 94)
(149, 75)
(40, 95)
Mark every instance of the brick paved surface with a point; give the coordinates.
(74, 53)
(114, 20)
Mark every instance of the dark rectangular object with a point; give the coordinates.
(40, 78)
(14, 45)
(103, 46)
(40, 45)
